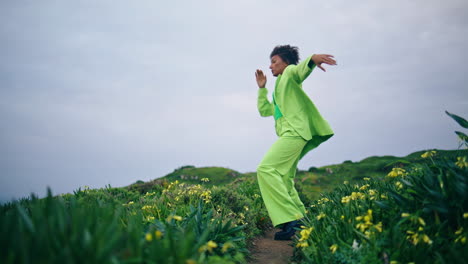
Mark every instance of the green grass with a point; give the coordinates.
(112, 225)
(418, 217)
(318, 180)
(171, 223)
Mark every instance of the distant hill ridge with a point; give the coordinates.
(311, 182)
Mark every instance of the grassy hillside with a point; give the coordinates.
(192, 175)
(313, 182)
(209, 215)
(326, 178)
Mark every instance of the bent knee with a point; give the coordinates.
(263, 168)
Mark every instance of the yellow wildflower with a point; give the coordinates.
(428, 154)
(397, 172)
(405, 215)
(461, 162)
(361, 226)
(366, 179)
(175, 217)
(357, 195)
(305, 233)
(426, 239)
(346, 182)
(208, 246)
(211, 244)
(366, 223)
(399, 185)
(421, 221)
(461, 239)
(333, 248)
(205, 180)
(206, 196)
(323, 200)
(413, 237)
(147, 207)
(302, 244)
(149, 194)
(226, 247)
(353, 196)
(379, 227)
(465, 215)
(149, 237)
(320, 216)
(158, 234)
(346, 199)
(362, 188)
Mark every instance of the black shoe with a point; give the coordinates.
(289, 229)
(295, 223)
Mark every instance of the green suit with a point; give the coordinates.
(300, 128)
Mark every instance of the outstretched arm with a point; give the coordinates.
(318, 59)
(302, 70)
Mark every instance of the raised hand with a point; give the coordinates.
(323, 58)
(261, 78)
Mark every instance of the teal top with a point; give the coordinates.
(277, 113)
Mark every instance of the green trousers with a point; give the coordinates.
(276, 173)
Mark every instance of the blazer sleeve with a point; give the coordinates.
(302, 70)
(265, 107)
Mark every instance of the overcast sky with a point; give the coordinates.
(111, 92)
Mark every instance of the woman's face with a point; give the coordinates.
(277, 65)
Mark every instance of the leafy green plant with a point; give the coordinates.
(178, 224)
(417, 214)
(462, 122)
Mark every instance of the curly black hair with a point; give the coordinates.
(287, 53)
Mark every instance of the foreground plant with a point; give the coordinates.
(417, 214)
(173, 223)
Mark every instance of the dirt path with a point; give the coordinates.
(266, 250)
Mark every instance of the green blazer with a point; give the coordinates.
(295, 106)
